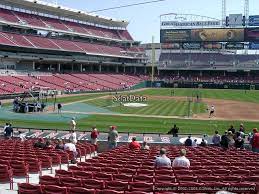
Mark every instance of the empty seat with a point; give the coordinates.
(81, 190)
(117, 185)
(53, 189)
(26, 188)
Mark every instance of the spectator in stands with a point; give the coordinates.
(48, 145)
(188, 141)
(242, 128)
(216, 139)
(70, 146)
(94, 135)
(8, 132)
(239, 143)
(73, 137)
(162, 160)
(6, 125)
(22, 136)
(174, 131)
(203, 143)
(231, 138)
(225, 141)
(181, 161)
(112, 137)
(232, 129)
(72, 124)
(40, 143)
(255, 141)
(59, 145)
(134, 145)
(194, 143)
(145, 146)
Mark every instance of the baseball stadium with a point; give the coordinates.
(86, 108)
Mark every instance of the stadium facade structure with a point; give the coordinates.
(197, 57)
(39, 36)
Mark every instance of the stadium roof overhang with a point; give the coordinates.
(52, 9)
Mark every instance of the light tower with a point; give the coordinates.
(224, 12)
(246, 10)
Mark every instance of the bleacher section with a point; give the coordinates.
(125, 171)
(209, 61)
(18, 159)
(68, 82)
(53, 24)
(39, 42)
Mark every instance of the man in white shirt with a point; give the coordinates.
(162, 160)
(71, 147)
(194, 143)
(73, 137)
(181, 161)
(73, 124)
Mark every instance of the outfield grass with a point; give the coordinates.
(227, 94)
(155, 107)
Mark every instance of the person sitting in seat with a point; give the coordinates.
(59, 145)
(181, 161)
(40, 143)
(8, 132)
(162, 160)
(188, 141)
(225, 141)
(70, 146)
(239, 143)
(145, 146)
(48, 145)
(134, 145)
(216, 139)
(203, 143)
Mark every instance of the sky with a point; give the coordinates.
(144, 19)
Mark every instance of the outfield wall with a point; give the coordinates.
(211, 85)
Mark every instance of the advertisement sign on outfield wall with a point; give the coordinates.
(253, 45)
(170, 46)
(252, 34)
(212, 45)
(234, 45)
(191, 45)
(253, 20)
(201, 35)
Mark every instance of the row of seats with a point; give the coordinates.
(39, 42)
(63, 82)
(124, 171)
(18, 159)
(54, 23)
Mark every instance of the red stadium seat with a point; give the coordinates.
(49, 180)
(93, 184)
(122, 177)
(116, 185)
(81, 190)
(53, 189)
(26, 188)
(141, 186)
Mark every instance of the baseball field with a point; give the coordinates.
(148, 110)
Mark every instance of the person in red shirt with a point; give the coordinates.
(255, 141)
(134, 145)
(94, 135)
